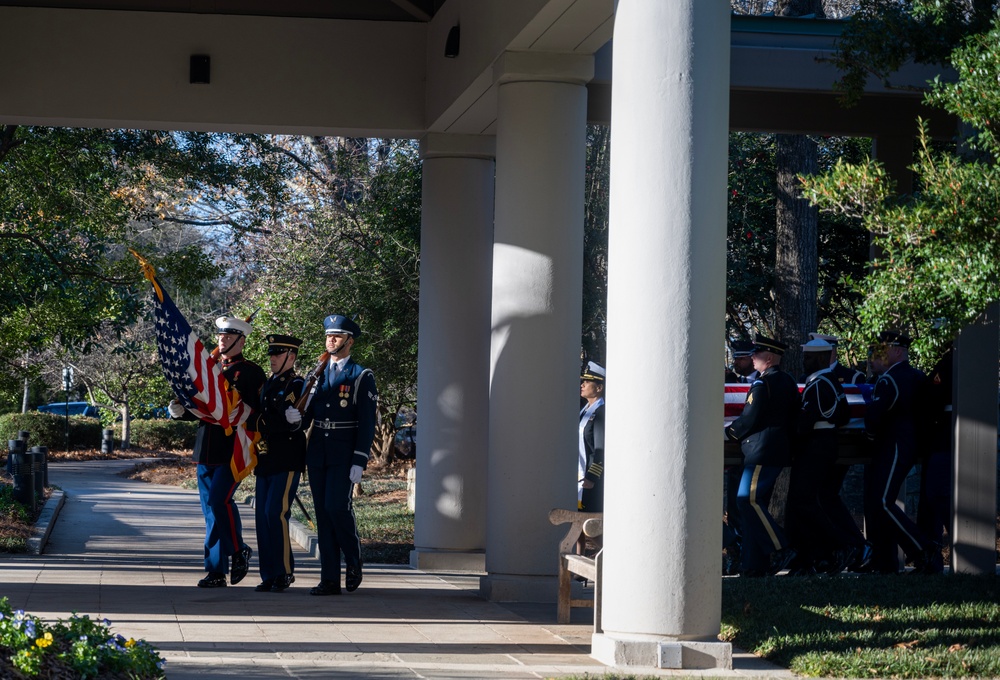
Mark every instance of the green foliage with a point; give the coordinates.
(842, 243)
(870, 626)
(882, 35)
(939, 249)
(49, 430)
(161, 434)
(73, 200)
(595, 243)
(350, 246)
(79, 647)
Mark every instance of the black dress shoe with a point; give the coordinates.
(282, 582)
(241, 564)
(213, 580)
(780, 559)
(325, 588)
(353, 578)
(265, 585)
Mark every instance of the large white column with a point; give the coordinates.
(456, 253)
(537, 292)
(667, 282)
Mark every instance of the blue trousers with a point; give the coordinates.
(888, 525)
(336, 528)
(761, 534)
(223, 529)
(272, 507)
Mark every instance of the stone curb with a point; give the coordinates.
(43, 527)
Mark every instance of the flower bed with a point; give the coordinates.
(78, 648)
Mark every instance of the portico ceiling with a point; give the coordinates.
(363, 10)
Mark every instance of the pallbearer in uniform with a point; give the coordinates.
(765, 431)
(342, 410)
(843, 374)
(281, 459)
(213, 451)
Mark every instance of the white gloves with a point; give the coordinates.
(356, 472)
(292, 415)
(175, 409)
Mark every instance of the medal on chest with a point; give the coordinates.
(345, 394)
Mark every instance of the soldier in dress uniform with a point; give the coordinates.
(844, 374)
(765, 431)
(742, 370)
(343, 412)
(281, 459)
(934, 508)
(590, 461)
(890, 422)
(819, 541)
(213, 451)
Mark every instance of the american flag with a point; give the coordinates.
(196, 377)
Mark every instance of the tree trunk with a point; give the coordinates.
(126, 428)
(796, 274)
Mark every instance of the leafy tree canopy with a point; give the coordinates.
(939, 265)
(73, 200)
(883, 35)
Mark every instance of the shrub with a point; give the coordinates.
(163, 434)
(79, 648)
(49, 430)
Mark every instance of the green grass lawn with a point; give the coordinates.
(868, 626)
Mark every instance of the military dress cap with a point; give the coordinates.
(593, 372)
(278, 344)
(817, 345)
(832, 339)
(741, 348)
(231, 324)
(337, 323)
(765, 344)
(894, 338)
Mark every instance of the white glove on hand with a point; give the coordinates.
(175, 409)
(292, 415)
(356, 472)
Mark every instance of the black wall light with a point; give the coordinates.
(201, 69)
(451, 44)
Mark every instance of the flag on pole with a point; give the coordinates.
(196, 377)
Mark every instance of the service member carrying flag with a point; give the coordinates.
(219, 389)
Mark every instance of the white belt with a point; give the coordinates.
(823, 425)
(335, 424)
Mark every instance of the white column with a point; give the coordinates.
(456, 239)
(537, 292)
(667, 284)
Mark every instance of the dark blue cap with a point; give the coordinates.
(337, 323)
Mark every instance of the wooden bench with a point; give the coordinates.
(591, 525)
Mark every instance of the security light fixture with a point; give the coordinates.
(451, 44)
(201, 69)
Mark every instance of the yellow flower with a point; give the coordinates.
(44, 641)
(130, 643)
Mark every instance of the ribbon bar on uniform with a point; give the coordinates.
(335, 424)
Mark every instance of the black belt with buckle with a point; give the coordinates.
(335, 424)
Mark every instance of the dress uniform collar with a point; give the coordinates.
(229, 361)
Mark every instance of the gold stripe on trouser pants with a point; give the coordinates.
(759, 510)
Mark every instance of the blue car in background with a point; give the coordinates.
(76, 408)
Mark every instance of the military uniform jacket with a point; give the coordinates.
(282, 447)
(593, 446)
(824, 404)
(767, 425)
(847, 376)
(890, 418)
(211, 445)
(343, 415)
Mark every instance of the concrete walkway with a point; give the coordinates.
(131, 552)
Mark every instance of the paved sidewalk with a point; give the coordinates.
(131, 552)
